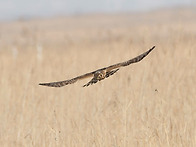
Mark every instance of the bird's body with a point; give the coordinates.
(99, 74)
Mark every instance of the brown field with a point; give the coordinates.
(151, 103)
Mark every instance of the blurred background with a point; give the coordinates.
(151, 103)
(22, 9)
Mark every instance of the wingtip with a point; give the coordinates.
(151, 49)
(46, 84)
(42, 84)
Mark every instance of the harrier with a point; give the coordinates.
(99, 74)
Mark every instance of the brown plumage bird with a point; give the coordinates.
(99, 74)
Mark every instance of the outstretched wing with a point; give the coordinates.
(126, 63)
(109, 72)
(66, 82)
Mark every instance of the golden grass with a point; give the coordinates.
(151, 103)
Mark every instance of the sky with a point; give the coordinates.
(17, 9)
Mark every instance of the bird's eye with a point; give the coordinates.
(100, 75)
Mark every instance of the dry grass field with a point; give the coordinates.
(151, 103)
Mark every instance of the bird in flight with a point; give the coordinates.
(99, 74)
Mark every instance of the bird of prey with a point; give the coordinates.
(99, 74)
